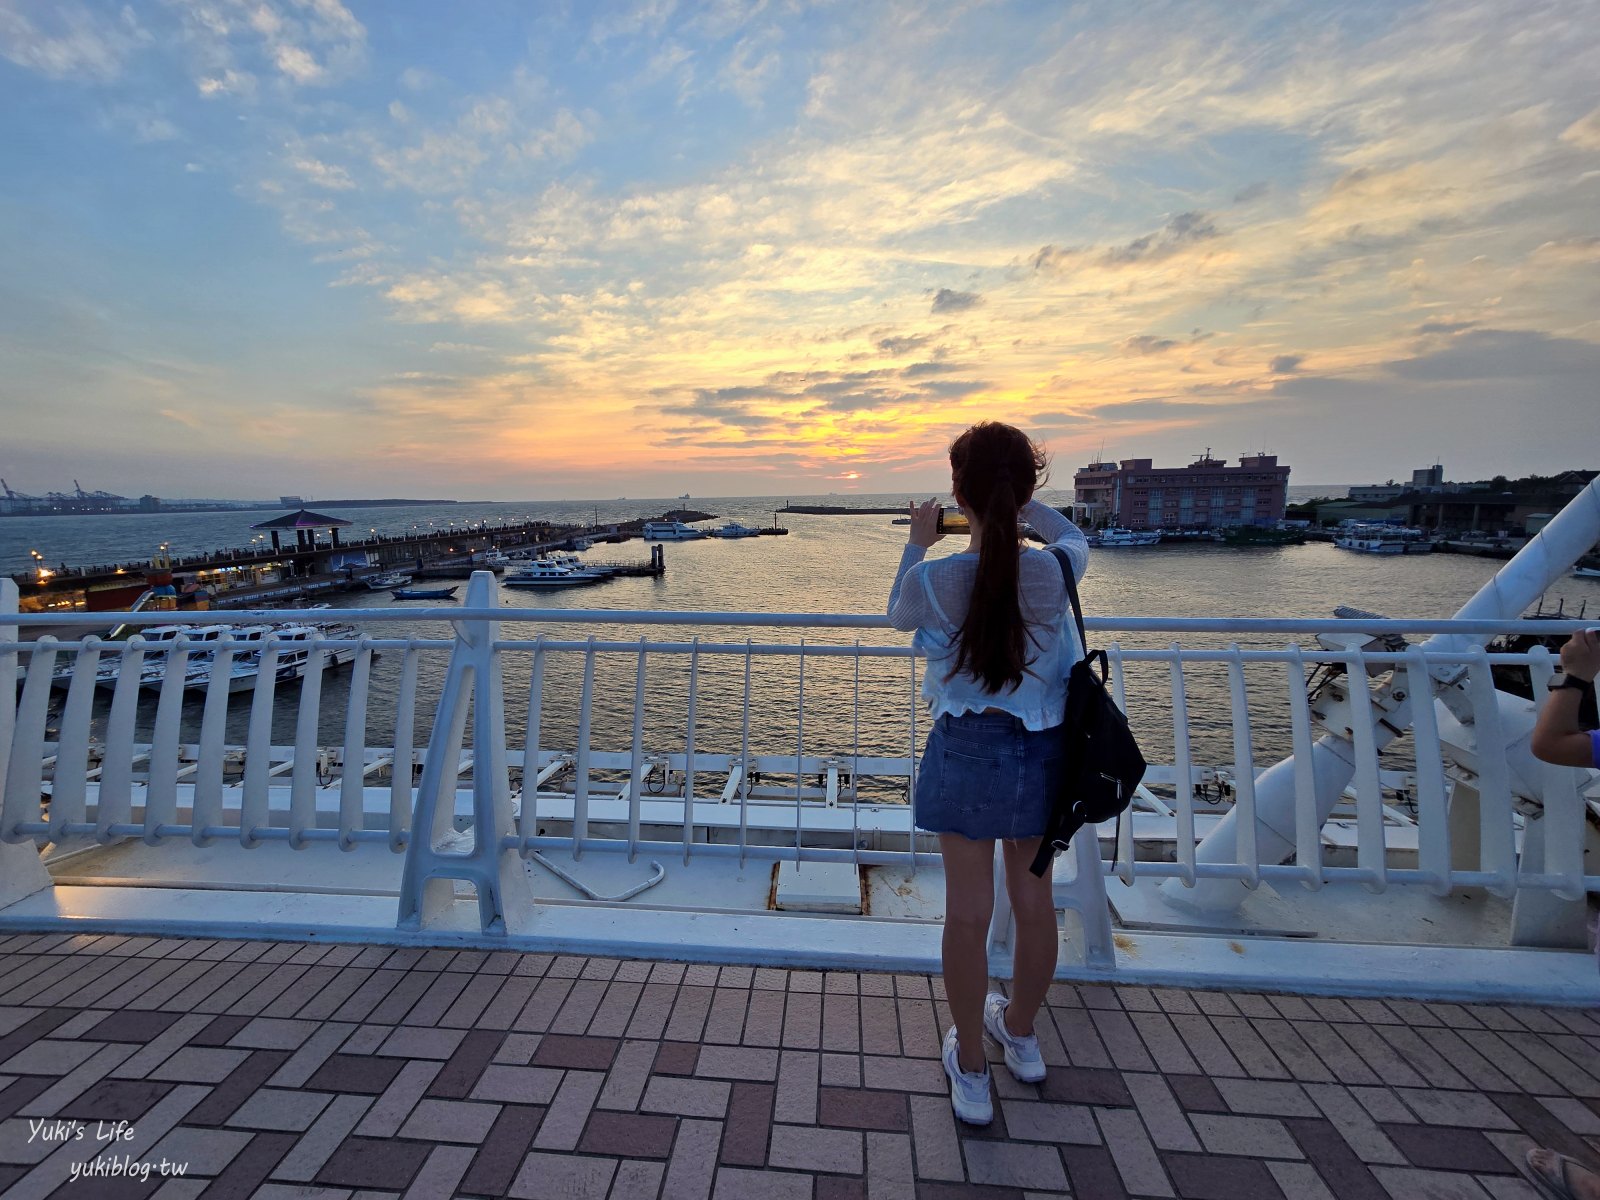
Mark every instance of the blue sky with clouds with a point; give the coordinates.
(514, 251)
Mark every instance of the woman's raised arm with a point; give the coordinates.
(1058, 530)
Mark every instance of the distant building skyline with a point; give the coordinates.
(522, 252)
(1205, 494)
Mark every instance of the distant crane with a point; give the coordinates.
(11, 495)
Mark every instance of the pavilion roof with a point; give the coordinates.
(302, 519)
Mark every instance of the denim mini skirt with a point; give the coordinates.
(987, 775)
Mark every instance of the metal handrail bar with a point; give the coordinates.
(607, 616)
(1311, 654)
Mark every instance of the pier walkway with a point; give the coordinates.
(278, 1070)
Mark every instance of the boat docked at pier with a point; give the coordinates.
(569, 560)
(1382, 539)
(156, 640)
(201, 646)
(1116, 536)
(735, 530)
(387, 582)
(245, 652)
(546, 573)
(671, 531)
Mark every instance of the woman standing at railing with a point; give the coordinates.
(990, 620)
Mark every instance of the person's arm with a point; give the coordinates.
(908, 606)
(1557, 737)
(1059, 530)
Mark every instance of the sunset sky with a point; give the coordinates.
(511, 250)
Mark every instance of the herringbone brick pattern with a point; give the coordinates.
(284, 1070)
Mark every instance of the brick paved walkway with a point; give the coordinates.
(279, 1070)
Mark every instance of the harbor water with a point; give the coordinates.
(827, 564)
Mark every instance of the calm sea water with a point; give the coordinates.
(838, 564)
(81, 541)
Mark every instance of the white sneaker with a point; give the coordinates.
(969, 1092)
(1022, 1053)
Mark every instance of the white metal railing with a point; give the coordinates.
(77, 764)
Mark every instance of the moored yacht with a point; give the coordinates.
(1115, 535)
(735, 530)
(671, 531)
(543, 573)
(569, 560)
(158, 640)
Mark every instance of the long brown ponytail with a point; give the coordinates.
(994, 470)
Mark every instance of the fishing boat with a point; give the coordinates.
(671, 531)
(735, 530)
(387, 581)
(543, 573)
(444, 593)
(1381, 539)
(1115, 536)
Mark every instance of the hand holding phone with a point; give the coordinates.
(1580, 657)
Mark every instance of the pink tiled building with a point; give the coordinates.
(1207, 493)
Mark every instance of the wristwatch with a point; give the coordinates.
(1571, 681)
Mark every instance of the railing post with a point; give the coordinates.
(21, 872)
(472, 679)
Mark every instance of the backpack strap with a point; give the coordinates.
(1072, 595)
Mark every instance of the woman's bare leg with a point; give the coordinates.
(969, 903)
(1037, 938)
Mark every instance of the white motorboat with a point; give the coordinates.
(158, 640)
(1382, 539)
(542, 573)
(671, 531)
(249, 643)
(735, 530)
(387, 582)
(1369, 545)
(1115, 536)
(569, 560)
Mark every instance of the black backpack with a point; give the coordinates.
(1103, 763)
